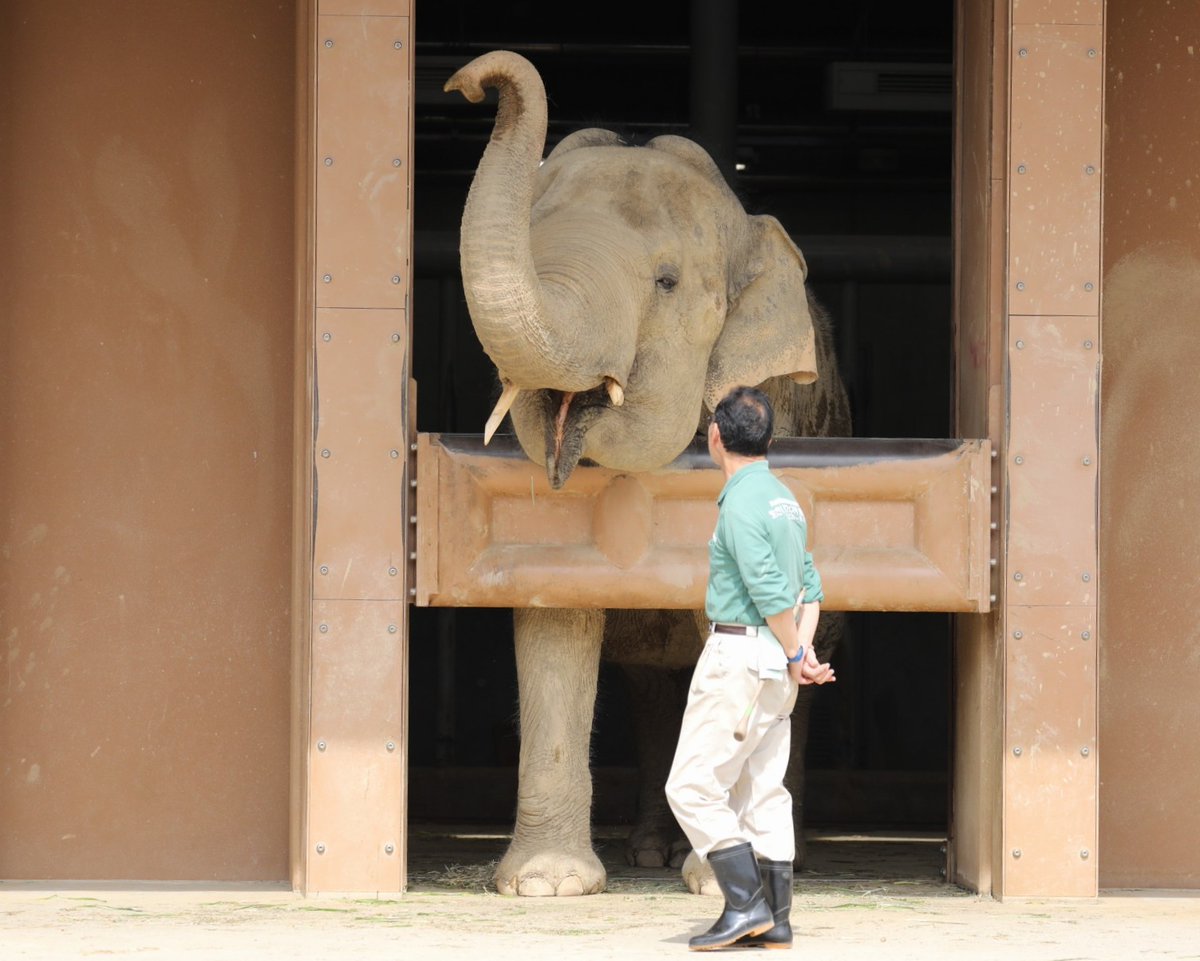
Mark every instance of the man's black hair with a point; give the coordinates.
(745, 419)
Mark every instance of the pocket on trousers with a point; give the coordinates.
(713, 667)
(791, 701)
(778, 698)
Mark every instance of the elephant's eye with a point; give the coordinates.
(666, 280)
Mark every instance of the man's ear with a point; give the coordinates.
(768, 331)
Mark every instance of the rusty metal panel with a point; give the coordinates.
(1052, 455)
(356, 752)
(972, 239)
(362, 448)
(303, 406)
(1057, 11)
(980, 254)
(363, 121)
(1150, 608)
(145, 440)
(1050, 577)
(365, 8)
(352, 790)
(998, 254)
(1054, 176)
(892, 529)
(978, 743)
(1001, 43)
(1050, 763)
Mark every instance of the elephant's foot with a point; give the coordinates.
(699, 877)
(650, 846)
(542, 872)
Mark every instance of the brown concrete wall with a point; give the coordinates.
(1150, 495)
(146, 278)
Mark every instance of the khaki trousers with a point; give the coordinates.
(724, 791)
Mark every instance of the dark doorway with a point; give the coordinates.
(836, 118)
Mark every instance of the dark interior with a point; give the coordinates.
(837, 119)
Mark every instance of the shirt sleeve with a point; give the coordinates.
(813, 589)
(765, 580)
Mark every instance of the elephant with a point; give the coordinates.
(620, 291)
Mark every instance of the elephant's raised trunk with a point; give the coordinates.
(510, 307)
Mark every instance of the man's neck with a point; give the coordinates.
(732, 463)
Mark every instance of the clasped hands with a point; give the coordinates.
(811, 671)
(801, 623)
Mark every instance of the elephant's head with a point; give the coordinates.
(617, 288)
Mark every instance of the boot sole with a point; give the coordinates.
(752, 933)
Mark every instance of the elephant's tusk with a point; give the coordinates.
(615, 393)
(507, 397)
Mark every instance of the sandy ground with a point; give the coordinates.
(832, 921)
(862, 897)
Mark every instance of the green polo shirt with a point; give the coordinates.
(757, 557)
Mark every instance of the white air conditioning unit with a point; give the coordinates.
(908, 87)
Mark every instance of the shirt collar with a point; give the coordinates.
(757, 467)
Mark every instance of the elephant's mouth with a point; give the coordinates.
(567, 416)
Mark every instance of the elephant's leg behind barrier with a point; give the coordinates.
(558, 658)
(795, 779)
(829, 636)
(657, 698)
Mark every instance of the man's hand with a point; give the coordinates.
(810, 670)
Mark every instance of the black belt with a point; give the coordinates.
(742, 629)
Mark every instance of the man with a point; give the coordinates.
(726, 783)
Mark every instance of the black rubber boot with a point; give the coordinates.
(746, 909)
(777, 887)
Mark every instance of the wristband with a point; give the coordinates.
(799, 656)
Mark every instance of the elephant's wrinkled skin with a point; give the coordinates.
(620, 291)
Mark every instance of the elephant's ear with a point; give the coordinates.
(768, 330)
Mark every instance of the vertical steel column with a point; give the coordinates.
(714, 80)
(1050, 779)
(351, 736)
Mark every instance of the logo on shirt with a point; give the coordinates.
(785, 508)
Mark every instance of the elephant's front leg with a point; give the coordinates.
(558, 658)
